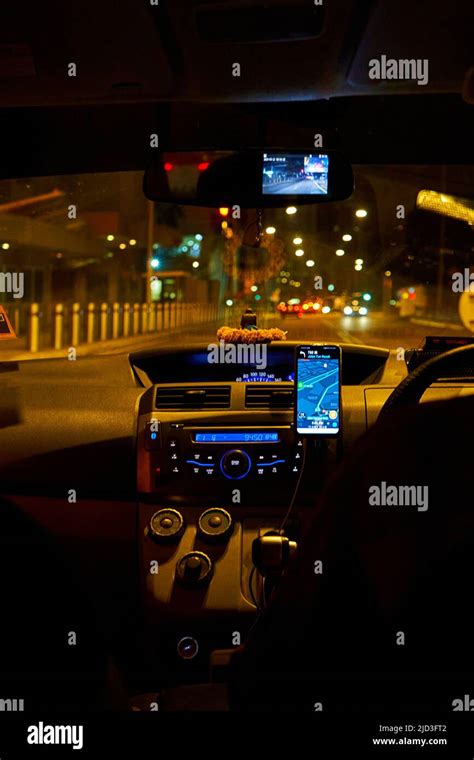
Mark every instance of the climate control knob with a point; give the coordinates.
(194, 569)
(235, 464)
(166, 525)
(215, 524)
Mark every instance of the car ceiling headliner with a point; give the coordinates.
(131, 51)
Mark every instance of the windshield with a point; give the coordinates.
(87, 262)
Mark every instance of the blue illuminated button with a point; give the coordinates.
(235, 464)
(152, 435)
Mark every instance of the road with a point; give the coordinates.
(377, 329)
(303, 186)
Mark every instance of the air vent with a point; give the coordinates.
(261, 396)
(193, 397)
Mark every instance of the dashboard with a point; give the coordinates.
(176, 465)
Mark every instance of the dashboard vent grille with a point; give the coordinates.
(261, 396)
(193, 397)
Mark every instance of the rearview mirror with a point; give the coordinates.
(250, 178)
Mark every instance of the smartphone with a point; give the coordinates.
(318, 389)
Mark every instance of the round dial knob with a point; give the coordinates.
(215, 525)
(194, 568)
(166, 525)
(235, 464)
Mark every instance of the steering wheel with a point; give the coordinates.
(412, 388)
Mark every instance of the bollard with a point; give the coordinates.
(16, 320)
(33, 327)
(144, 311)
(90, 322)
(152, 318)
(115, 320)
(126, 320)
(75, 323)
(135, 317)
(58, 325)
(103, 321)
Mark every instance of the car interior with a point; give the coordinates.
(185, 525)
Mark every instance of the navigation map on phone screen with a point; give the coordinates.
(318, 391)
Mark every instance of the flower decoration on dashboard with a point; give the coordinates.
(239, 335)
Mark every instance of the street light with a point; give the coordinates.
(340, 252)
(297, 240)
(299, 252)
(359, 261)
(110, 238)
(195, 264)
(347, 238)
(132, 242)
(155, 263)
(291, 210)
(361, 213)
(270, 230)
(310, 263)
(254, 288)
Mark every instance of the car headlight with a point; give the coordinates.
(326, 309)
(363, 311)
(347, 311)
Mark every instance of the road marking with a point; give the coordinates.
(441, 325)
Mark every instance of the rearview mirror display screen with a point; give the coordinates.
(295, 174)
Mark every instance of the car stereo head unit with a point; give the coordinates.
(195, 460)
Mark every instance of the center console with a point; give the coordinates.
(209, 482)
